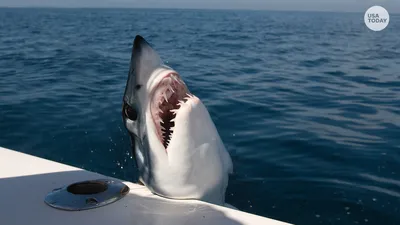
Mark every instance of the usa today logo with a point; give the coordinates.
(376, 18)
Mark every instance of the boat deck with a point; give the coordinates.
(25, 180)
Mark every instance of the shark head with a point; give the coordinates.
(177, 148)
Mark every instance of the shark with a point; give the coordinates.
(178, 151)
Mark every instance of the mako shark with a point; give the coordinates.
(177, 148)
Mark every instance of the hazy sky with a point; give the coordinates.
(323, 5)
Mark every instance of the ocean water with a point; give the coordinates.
(307, 103)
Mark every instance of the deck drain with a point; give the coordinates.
(86, 195)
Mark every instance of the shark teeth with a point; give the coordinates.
(174, 111)
(171, 96)
(181, 103)
(165, 97)
(188, 96)
(177, 80)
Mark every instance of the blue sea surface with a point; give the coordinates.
(307, 103)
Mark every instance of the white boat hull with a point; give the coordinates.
(25, 180)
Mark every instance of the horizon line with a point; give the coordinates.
(189, 8)
(179, 8)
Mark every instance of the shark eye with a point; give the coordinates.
(130, 113)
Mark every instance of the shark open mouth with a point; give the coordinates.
(168, 96)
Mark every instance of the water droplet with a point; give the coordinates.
(374, 199)
(366, 220)
(318, 216)
(346, 208)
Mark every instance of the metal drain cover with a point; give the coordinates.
(86, 195)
